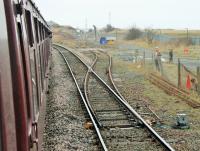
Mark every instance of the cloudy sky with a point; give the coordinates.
(178, 14)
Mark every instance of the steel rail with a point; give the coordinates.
(109, 69)
(149, 128)
(86, 84)
(111, 78)
(115, 87)
(85, 103)
(86, 93)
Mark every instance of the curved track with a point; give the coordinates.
(103, 66)
(117, 125)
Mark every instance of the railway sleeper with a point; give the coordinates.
(114, 119)
(118, 126)
(111, 110)
(138, 146)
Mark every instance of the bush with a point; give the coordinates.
(134, 33)
(90, 30)
(109, 28)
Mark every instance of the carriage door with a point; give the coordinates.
(28, 57)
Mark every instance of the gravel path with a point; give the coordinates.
(64, 117)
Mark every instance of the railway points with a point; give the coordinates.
(100, 108)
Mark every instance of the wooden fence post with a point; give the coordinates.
(179, 73)
(198, 80)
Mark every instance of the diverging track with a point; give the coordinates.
(103, 67)
(117, 125)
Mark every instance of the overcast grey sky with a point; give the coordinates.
(124, 13)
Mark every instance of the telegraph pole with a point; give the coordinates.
(95, 32)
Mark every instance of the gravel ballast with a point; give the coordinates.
(65, 119)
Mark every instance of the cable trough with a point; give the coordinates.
(117, 125)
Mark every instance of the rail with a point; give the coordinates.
(85, 103)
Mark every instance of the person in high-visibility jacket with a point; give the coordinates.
(158, 59)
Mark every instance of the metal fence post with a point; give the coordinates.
(144, 58)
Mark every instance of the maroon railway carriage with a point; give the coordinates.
(25, 45)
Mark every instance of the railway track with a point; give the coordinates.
(173, 90)
(103, 66)
(117, 125)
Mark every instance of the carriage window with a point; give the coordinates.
(44, 32)
(40, 31)
(41, 68)
(46, 35)
(24, 67)
(29, 28)
(36, 29)
(33, 75)
(49, 34)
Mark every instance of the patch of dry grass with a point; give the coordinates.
(179, 33)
